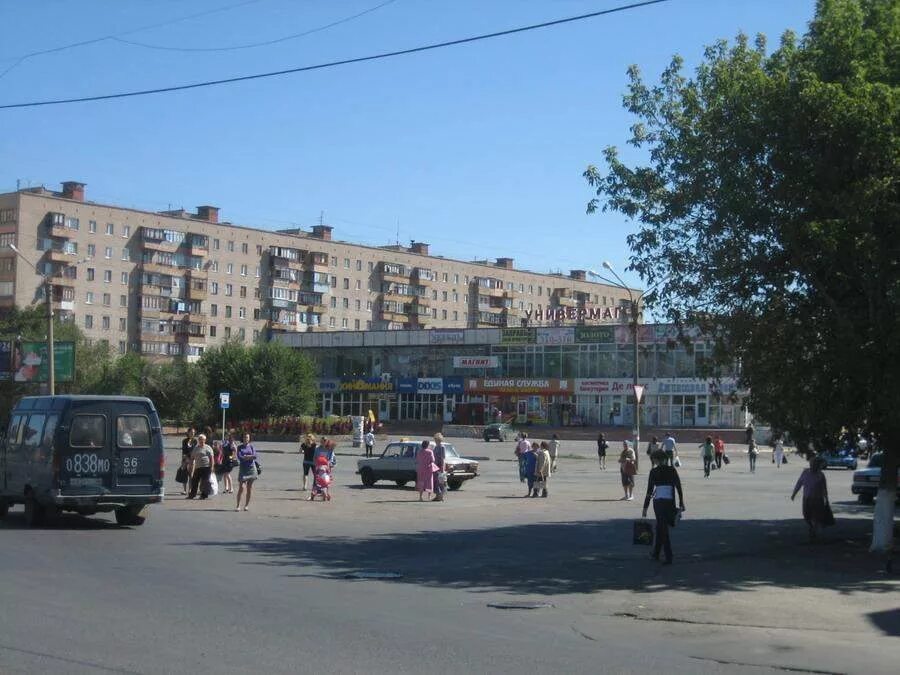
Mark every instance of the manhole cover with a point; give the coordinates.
(374, 575)
(520, 605)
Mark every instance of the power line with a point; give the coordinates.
(333, 64)
(253, 45)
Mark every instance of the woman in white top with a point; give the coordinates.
(778, 454)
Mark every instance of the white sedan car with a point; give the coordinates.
(398, 463)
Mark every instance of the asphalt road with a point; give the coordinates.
(200, 588)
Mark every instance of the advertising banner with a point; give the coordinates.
(476, 361)
(367, 384)
(430, 385)
(453, 385)
(518, 385)
(406, 385)
(596, 386)
(517, 336)
(555, 336)
(595, 334)
(328, 386)
(446, 336)
(30, 361)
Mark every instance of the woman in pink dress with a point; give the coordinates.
(425, 468)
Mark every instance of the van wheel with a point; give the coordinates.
(131, 515)
(454, 484)
(4, 508)
(34, 512)
(368, 477)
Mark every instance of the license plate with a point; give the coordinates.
(85, 481)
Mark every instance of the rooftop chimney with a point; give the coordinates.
(419, 247)
(72, 189)
(208, 213)
(322, 232)
(505, 263)
(580, 275)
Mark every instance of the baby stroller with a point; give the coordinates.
(322, 480)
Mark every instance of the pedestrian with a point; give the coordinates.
(778, 452)
(662, 485)
(752, 453)
(554, 452)
(707, 451)
(522, 447)
(187, 447)
(202, 459)
(627, 469)
(670, 448)
(325, 449)
(602, 447)
(425, 471)
(816, 510)
(229, 461)
(543, 467)
(530, 466)
(612, 417)
(369, 440)
(307, 457)
(748, 433)
(247, 473)
(652, 447)
(322, 479)
(440, 476)
(719, 446)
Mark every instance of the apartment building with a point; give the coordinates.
(172, 283)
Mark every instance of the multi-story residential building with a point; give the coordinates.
(172, 283)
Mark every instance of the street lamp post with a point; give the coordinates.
(48, 298)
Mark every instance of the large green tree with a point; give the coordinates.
(767, 198)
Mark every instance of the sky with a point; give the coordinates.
(476, 149)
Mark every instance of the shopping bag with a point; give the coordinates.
(181, 476)
(725, 459)
(213, 485)
(642, 533)
(676, 462)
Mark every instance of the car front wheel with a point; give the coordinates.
(866, 499)
(454, 484)
(367, 476)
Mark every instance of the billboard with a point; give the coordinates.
(29, 361)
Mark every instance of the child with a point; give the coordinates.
(322, 480)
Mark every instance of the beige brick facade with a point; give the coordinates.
(173, 283)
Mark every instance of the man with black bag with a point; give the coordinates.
(662, 485)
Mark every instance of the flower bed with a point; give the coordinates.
(295, 426)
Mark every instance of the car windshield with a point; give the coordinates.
(875, 462)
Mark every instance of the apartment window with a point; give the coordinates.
(108, 253)
(333, 302)
(215, 266)
(212, 329)
(344, 323)
(243, 291)
(90, 273)
(540, 289)
(358, 305)
(434, 295)
(444, 296)
(358, 285)
(124, 278)
(359, 265)
(214, 310)
(244, 249)
(445, 277)
(110, 228)
(434, 313)
(88, 321)
(89, 298)
(455, 278)
(107, 276)
(243, 270)
(104, 323)
(227, 332)
(368, 305)
(455, 296)
(91, 250)
(123, 324)
(229, 268)
(346, 302)
(443, 313)
(256, 335)
(258, 251)
(122, 346)
(126, 254)
(92, 226)
(242, 312)
(333, 281)
(231, 246)
(214, 287)
(229, 290)
(216, 244)
(123, 301)
(256, 292)
(331, 322)
(334, 261)
(256, 318)
(346, 263)
(371, 266)
(107, 299)
(257, 271)
(346, 284)
(227, 311)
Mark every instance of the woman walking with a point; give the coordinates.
(229, 460)
(708, 451)
(425, 471)
(602, 447)
(662, 485)
(307, 455)
(542, 469)
(652, 447)
(816, 510)
(247, 474)
(778, 452)
(627, 469)
(752, 453)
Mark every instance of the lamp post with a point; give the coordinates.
(48, 298)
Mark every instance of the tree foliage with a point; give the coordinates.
(768, 207)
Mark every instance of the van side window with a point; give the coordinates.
(133, 431)
(88, 431)
(15, 432)
(50, 430)
(34, 431)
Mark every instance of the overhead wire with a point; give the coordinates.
(253, 45)
(333, 64)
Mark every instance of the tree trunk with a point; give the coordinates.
(883, 519)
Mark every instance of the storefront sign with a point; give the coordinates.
(442, 336)
(406, 385)
(553, 314)
(366, 384)
(696, 387)
(329, 386)
(555, 336)
(453, 385)
(595, 386)
(516, 385)
(476, 361)
(430, 385)
(517, 336)
(595, 334)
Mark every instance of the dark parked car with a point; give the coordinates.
(497, 430)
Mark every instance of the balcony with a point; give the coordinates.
(62, 280)
(316, 261)
(60, 231)
(197, 292)
(563, 301)
(60, 256)
(423, 277)
(394, 315)
(160, 268)
(394, 272)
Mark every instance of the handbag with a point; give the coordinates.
(442, 477)
(725, 459)
(828, 516)
(181, 476)
(258, 468)
(642, 533)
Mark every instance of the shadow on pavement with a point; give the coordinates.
(711, 556)
(888, 621)
(15, 520)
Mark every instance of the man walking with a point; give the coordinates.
(554, 452)
(670, 448)
(440, 478)
(369, 440)
(201, 467)
(187, 447)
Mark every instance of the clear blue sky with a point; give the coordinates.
(476, 149)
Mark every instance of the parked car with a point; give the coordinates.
(86, 454)
(498, 430)
(398, 463)
(865, 481)
(840, 459)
